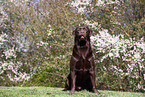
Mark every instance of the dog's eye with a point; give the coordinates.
(79, 29)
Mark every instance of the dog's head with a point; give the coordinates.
(82, 35)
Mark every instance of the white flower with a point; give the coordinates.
(110, 54)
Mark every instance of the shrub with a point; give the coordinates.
(121, 61)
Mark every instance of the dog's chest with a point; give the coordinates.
(81, 57)
(83, 65)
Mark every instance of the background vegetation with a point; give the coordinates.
(36, 41)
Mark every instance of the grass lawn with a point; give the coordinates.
(57, 92)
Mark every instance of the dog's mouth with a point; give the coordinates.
(82, 41)
(82, 37)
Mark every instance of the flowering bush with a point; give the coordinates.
(11, 69)
(126, 58)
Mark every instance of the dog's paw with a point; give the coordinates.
(72, 90)
(96, 91)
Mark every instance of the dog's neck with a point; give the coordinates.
(83, 50)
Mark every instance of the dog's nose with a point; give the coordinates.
(81, 32)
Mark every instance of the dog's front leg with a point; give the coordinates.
(92, 76)
(73, 80)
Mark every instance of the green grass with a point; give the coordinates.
(57, 92)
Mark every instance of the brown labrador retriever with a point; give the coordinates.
(82, 67)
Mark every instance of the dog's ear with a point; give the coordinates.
(89, 30)
(74, 31)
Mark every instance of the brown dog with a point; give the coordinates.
(82, 67)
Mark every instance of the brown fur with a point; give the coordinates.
(82, 67)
